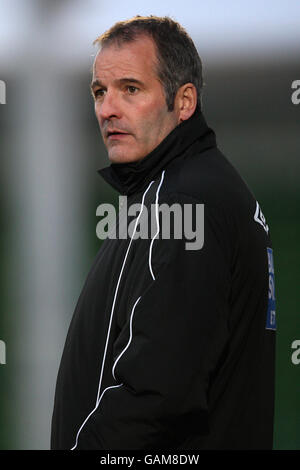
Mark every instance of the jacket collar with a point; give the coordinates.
(132, 177)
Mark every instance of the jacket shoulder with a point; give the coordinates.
(210, 178)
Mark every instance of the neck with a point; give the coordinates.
(130, 177)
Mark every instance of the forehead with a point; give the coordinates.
(138, 56)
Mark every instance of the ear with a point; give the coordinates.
(185, 101)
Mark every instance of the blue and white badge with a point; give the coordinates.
(271, 313)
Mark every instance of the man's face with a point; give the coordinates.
(130, 104)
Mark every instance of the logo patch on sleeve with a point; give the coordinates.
(260, 218)
(271, 313)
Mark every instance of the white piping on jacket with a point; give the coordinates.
(117, 288)
(130, 338)
(157, 221)
(76, 442)
(150, 253)
(110, 321)
(133, 309)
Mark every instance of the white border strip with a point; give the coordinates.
(157, 222)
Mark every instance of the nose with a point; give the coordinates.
(109, 107)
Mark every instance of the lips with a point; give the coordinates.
(115, 133)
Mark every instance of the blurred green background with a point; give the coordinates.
(50, 149)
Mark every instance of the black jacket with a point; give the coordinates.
(173, 348)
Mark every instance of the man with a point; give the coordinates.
(170, 347)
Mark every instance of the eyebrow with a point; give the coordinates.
(119, 81)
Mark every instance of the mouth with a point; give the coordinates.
(116, 134)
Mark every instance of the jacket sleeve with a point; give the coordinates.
(168, 350)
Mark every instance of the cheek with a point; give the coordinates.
(96, 109)
(150, 121)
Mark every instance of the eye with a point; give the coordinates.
(132, 89)
(99, 93)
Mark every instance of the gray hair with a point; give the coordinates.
(177, 56)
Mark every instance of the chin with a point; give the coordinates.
(122, 158)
